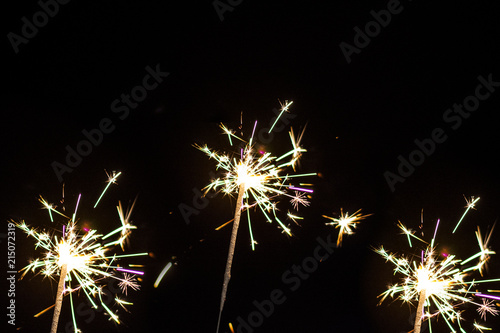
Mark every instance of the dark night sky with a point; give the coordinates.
(360, 117)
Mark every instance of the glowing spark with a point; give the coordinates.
(480, 328)
(471, 204)
(43, 311)
(229, 132)
(489, 296)
(50, 208)
(162, 274)
(284, 108)
(126, 228)
(439, 285)
(296, 152)
(111, 180)
(224, 224)
(123, 303)
(484, 253)
(294, 218)
(346, 223)
(299, 198)
(128, 281)
(487, 307)
(131, 271)
(408, 232)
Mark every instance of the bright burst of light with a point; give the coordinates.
(88, 260)
(346, 223)
(262, 179)
(442, 280)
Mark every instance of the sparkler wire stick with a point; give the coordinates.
(420, 311)
(230, 255)
(59, 298)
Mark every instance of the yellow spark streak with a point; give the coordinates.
(230, 133)
(408, 233)
(480, 328)
(50, 208)
(223, 225)
(43, 311)
(162, 274)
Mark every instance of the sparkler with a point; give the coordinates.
(346, 223)
(438, 282)
(81, 261)
(257, 180)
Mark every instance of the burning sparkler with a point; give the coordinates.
(81, 261)
(257, 179)
(346, 223)
(438, 282)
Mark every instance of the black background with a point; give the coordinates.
(360, 117)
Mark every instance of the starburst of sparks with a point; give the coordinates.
(299, 198)
(346, 223)
(264, 180)
(89, 260)
(128, 281)
(441, 281)
(488, 306)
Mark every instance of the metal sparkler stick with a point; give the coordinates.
(232, 245)
(59, 298)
